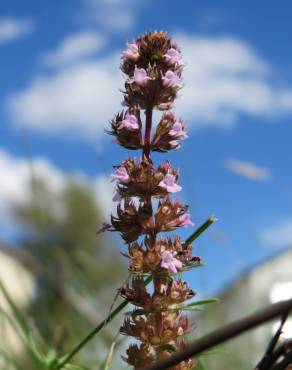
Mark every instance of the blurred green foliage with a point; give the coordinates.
(77, 273)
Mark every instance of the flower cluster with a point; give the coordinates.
(168, 133)
(153, 68)
(168, 254)
(140, 178)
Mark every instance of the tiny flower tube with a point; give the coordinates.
(130, 123)
(169, 262)
(175, 144)
(172, 56)
(178, 131)
(183, 220)
(171, 79)
(121, 175)
(132, 52)
(140, 77)
(169, 183)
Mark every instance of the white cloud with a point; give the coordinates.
(113, 15)
(15, 177)
(15, 184)
(248, 169)
(277, 236)
(13, 28)
(75, 47)
(81, 98)
(224, 79)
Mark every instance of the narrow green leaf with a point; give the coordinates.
(109, 358)
(205, 301)
(193, 305)
(168, 230)
(190, 267)
(41, 356)
(211, 220)
(167, 347)
(16, 312)
(75, 367)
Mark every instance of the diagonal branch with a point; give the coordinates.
(223, 334)
(284, 364)
(269, 358)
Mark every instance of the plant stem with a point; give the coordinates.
(147, 138)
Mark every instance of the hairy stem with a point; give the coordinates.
(147, 138)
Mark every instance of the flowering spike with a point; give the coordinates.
(153, 67)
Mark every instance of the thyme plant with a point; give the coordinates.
(146, 210)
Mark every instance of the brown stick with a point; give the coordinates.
(223, 334)
(269, 359)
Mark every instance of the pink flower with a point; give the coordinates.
(129, 123)
(183, 220)
(104, 227)
(168, 183)
(172, 56)
(165, 106)
(169, 262)
(121, 175)
(175, 143)
(132, 52)
(178, 131)
(171, 79)
(140, 77)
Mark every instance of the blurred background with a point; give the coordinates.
(60, 81)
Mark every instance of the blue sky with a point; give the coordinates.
(60, 78)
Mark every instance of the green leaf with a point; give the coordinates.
(167, 347)
(190, 267)
(39, 355)
(211, 220)
(16, 312)
(109, 358)
(75, 367)
(168, 230)
(193, 306)
(23, 335)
